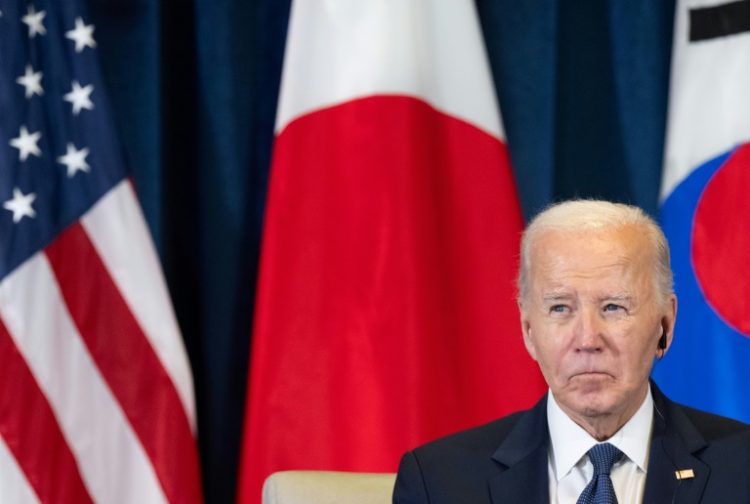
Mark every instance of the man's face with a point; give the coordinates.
(592, 319)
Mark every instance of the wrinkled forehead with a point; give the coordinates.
(623, 252)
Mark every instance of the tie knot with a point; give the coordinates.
(603, 456)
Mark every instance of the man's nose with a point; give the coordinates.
(590, 333)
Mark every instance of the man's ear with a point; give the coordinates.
(667, 323)
(528, 339)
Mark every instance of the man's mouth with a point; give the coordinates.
(591, 374)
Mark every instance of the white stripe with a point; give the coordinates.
(709, 107)
(118, 231)
(433, 50)
(113, 464)
(14, 487)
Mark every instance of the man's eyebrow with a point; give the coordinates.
(618, 297)
(556, 296)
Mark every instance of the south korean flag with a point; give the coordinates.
(705, 209)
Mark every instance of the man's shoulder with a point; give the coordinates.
(458, 467)
(480, 440)
(720, 443)
(714, 427)
(454, 468)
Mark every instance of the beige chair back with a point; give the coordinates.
(328, 487)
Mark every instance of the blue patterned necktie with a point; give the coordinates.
(600, 489)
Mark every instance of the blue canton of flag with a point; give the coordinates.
(58, 152)
(96, 395)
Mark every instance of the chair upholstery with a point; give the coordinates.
(328, 487)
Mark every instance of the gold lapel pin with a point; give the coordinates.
(684, 474)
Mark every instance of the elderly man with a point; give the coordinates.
(597, 307)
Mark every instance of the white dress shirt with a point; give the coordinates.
(570, 469)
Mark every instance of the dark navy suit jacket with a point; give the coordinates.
(505, 461)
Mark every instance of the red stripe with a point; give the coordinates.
(31, 432)
(128, 363)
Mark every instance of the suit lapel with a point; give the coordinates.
(674, 440)
(523, 458)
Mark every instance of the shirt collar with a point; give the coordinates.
(569, 442)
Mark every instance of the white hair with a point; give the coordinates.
(581, 215)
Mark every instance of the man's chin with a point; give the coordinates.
(591, 383)
(592, 393)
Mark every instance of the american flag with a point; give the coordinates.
(96, 397)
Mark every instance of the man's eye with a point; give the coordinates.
(610, 307)
(558, 308)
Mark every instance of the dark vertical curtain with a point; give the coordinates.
(583, 88)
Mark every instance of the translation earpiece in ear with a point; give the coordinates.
(662, 344)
